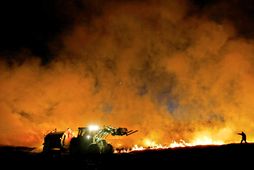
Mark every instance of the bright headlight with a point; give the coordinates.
(93, 127)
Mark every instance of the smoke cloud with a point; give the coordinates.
(165, 68)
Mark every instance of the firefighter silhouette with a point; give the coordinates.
(244, 140)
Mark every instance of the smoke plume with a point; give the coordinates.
(171, 69)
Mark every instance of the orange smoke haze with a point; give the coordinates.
(146, 66)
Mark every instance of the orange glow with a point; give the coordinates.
(205, 140)
(179, 79)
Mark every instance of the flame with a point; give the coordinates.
(152, 144)
(181, 143)
(206, 140)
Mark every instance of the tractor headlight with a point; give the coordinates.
(93, 127)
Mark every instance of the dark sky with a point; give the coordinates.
(33, 25)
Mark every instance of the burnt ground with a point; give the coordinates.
(203, 157)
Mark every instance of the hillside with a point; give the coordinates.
(230, 155)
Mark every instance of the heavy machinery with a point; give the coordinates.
(57, 141)
(89, 140)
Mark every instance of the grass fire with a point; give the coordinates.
(154, 75)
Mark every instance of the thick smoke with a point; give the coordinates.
(161, 67)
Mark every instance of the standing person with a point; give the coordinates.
(243, 137)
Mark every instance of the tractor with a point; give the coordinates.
(89, 140)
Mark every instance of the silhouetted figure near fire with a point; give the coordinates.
(243, 137)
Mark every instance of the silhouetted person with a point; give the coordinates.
(243, 137)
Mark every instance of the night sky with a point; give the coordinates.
(173, 69)
(34, 25)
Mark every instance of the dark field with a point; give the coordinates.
(204, 157)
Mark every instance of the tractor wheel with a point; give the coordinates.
(45, 149)
(109, 149)
(73, 148)
(93, 149)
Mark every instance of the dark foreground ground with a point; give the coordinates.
(201, 157)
